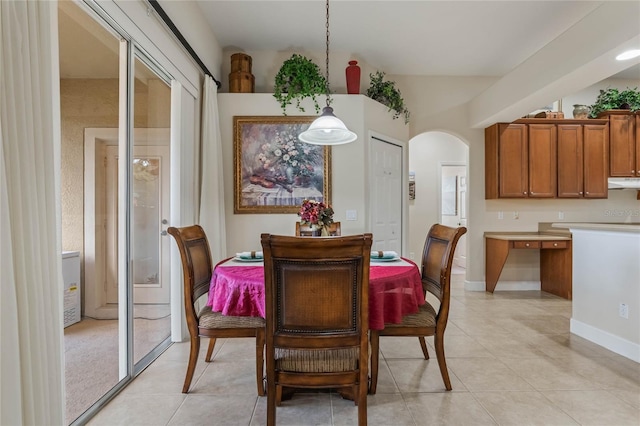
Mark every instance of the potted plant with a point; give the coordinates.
(613, 98)
(299, 78)
(387, 94)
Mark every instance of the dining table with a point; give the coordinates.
(395, 289)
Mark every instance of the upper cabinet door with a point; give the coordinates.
(513, 164)
(570, 161)
(542, 160)
(622, 139)
(596, 160)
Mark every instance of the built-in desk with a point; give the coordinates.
(555, 258)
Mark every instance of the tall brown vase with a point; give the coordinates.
(353, 78)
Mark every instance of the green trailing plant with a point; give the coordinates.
(613, 98)
(299, 78)
(387, 94)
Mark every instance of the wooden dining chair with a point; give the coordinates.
(437, 259)
(197, 270)
(306, 231)
(317, 305)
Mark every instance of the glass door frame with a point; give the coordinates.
(129, 52)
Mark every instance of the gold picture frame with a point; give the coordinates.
(273, 170)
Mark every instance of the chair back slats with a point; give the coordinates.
(197, 266)
(437, 259)
(200, 257)
(317, 299)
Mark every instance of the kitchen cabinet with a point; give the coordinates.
(624, 140)
(542, 152)
(520, 160)
(583, 160)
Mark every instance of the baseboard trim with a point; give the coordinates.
(607, 340)
(503, 285)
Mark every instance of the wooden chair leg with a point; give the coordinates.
(193, 360)
(212, 344)
(361, 399)
(260, 361)
(442, 362)
(423, 345)
(272, 398)
(374, 338)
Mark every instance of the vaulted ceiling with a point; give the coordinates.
(441, 38)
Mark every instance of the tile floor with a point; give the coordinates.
(511, 359)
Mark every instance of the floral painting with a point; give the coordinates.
(274, 171)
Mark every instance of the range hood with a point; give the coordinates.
(624, 183)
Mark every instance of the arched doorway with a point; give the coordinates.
(432, 156)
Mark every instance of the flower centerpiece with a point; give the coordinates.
(316, 214)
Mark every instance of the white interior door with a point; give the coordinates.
(150, 247)
(386, 195)
(453, 206)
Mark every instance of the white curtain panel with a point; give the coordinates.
(212, 209)
(31, 339)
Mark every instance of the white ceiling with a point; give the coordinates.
(453, 38)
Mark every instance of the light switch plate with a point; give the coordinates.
(352, 215)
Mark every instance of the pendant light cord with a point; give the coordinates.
(327, 61)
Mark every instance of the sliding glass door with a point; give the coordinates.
(150, 210)
(116, 180)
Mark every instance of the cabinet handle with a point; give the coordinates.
(555, 244)
(580, 192)
(525, 192)
(526, 244)
(587, 192)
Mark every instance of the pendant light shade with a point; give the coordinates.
(327, 129)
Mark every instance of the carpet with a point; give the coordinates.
(91, 354)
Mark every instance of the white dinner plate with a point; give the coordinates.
(382, 259)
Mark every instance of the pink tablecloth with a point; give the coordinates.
(394, 291)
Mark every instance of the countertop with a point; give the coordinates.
(529, 236)
(615, 227)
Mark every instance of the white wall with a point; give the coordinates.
(349, 164)
(194, 27)
(603, 280)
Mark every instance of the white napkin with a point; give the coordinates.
(249, 255)
(383, 254)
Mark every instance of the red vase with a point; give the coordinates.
(353, 78)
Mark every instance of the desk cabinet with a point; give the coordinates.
(555, 259)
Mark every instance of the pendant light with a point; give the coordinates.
(327, 129)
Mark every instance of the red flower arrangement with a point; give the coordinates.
(314, 212)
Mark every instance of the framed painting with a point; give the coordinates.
(273, 170)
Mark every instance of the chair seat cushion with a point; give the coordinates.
(425, 317)
(211, 320)
(317, 361)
